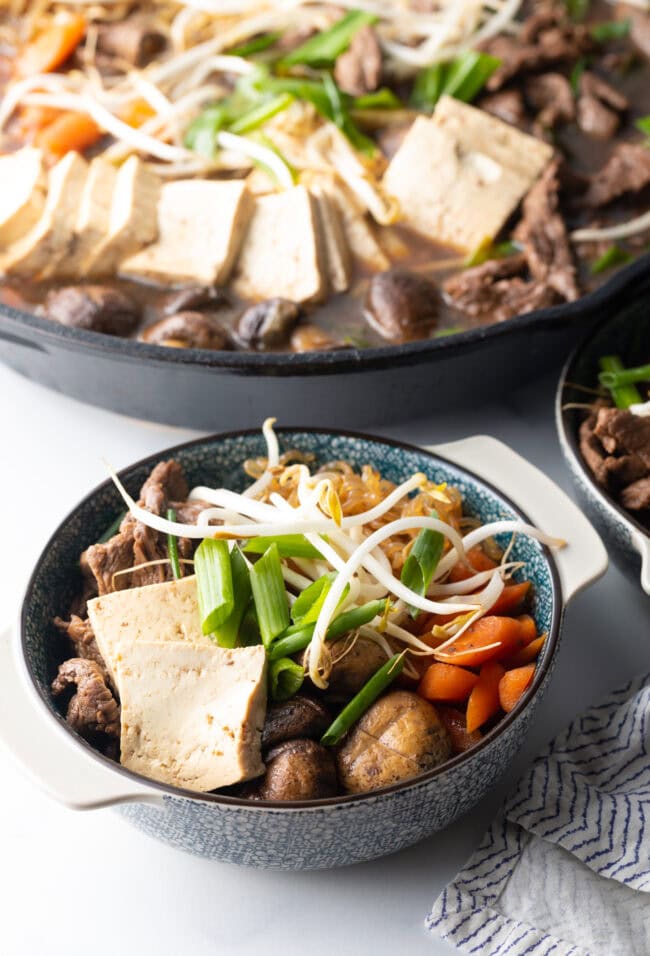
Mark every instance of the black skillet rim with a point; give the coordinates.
(337, 361)
(541, 672)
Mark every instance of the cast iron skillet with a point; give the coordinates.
(347, 388)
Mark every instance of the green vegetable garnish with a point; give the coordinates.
(201, 135)
(226, 634)
(643, 125)
(612, 378)
(467, 74)
(341, 117)
(289, 546)
(270, 595)
(261, 114)
(489, 250)
(307, 605)
(256, 45)
(324, 48)
(249, 631)
(422, 562)
(113, 528)
(611, 30)
(363, 700)
(576, 73)
(214, 583)
(383, 99)
(298, 637)
(614, 256)
(445, 333)
(285, 678)
(577, 9)
(427, 88)
(172, 547)
(623, 395)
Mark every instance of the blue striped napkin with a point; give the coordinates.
(565, 867)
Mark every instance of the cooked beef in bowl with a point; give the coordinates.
(387, 189)
(241, 672)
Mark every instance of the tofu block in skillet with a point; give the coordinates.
(22, 193)
(49, 240)
(192, 716)
(361, 240)
(201, 225)
(282, 254)
(338, 262)
(92, 223)
(460, 174)
(133, 220)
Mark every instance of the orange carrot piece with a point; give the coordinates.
(32, 119)
(511, 598)
(454, 721)
(528, 627)
(52, 46)
(479, 561)
(137, 112)
(527, 654)
(513, 684)
(446, 682)
(489, 638)
(483, 702)
(70, 131)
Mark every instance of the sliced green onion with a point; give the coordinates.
(289, 546)
(643, 125)
(256, 45)
(623, 395)
(445, 333)
(341, 117)
(627, 376)
(422, 562)
(270, 595)
(172, 547)
(299, 637)
(611, 30)
(363, 700)
(324, 48)
(468, 74)
(113, 528)
(307, 605)
(249, 630)
(383, 99)
(614, 256)
(285, 678)
(261, 114)
(226, 634)
(214, 583)
(490, 250)
(201, 134)
(427, 88)
(577, 9)
(576, 74)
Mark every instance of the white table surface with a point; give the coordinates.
(75, 883)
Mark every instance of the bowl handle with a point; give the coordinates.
(585, 558)
(46, 750)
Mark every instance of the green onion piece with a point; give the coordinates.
(226, 634)
(468, 74)
(113, 528)
(363, 700)
(611, 30)
(624, 395)
(201, 135)
(256, 45)
(214, 583)
(285, 678)
(324, 48)
(614, 256)
(296, 639)
(249, 630)
(427, 88)
(342, 118)
(422, 562)
(383, 99)
(490, 250)
(445, 333)
(307, 605)
(172, 547)
(643, 125)
(259, 137)
(628, 376)
(261, 114)
(576, 73)
(577, 9)
(289, 546)
(270, 595)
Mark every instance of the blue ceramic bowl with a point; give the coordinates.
(323, 833)
(626, 334)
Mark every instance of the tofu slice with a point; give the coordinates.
(338, 262)
(162, 612)
(22, 193)
(133, 220)
(49, 240)
(363, 246)
(459, 174)
(192, 715)
(201, 225)
(282, 253)
(93, 220)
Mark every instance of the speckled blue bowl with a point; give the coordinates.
(323, 833)
(626, 334)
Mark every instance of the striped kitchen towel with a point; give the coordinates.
(565, 867)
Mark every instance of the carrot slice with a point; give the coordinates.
(52, 46)
(527, 654)
(137, 112)
(479, 561)
(446, 682)
(528, 627)
(483, 702)
(489, 638)
(70, 131)
(454, 721)
(513, 684)
(511, 599)
(32, 119)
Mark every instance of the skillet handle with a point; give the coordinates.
(47, 752)
(584, 559)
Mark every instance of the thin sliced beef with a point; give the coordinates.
(358, 71)
(137, 39)
(80, 633)
(507, 105)
(599, 106)
(609, 471)
(551, 95)
(496, 290)
(166, 483)
(543, 235)
(636, 496)
(615, 445)
(92, 709)
(627, 170)
(622, 433)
